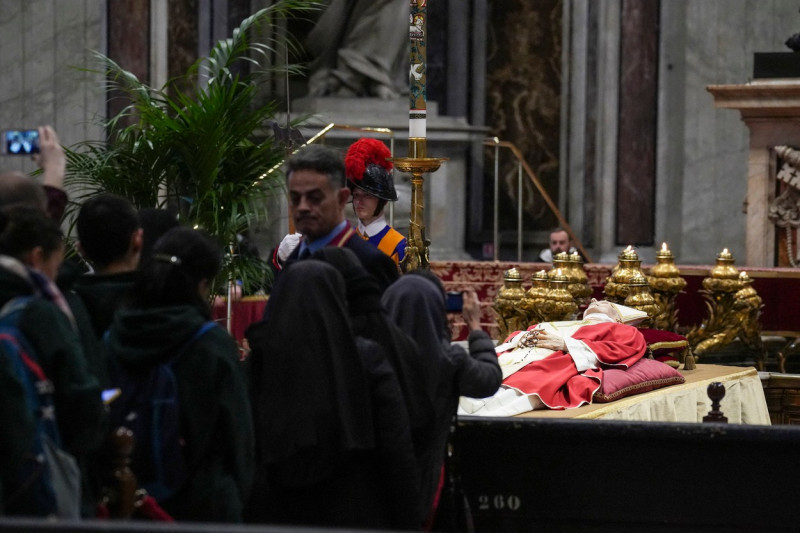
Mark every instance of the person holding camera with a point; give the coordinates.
(17, 188)
(416, 303)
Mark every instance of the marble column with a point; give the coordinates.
(771, 111)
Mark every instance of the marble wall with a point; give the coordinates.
(43, 47)
(523, 106)
(549, 76)
(701, 151)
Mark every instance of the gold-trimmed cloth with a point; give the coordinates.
(744, 401)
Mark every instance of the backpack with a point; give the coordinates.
(148, 405)
(49, 481)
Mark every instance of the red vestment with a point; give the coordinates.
(556, 380)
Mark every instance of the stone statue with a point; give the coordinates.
(361, 48)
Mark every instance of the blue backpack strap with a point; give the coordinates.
(202, 330)
(15, 306)
(199, 333)
(207, 326)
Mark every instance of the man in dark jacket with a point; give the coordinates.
(318, 195)
(110, 238)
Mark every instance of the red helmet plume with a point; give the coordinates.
(366, 166)
(365, 152)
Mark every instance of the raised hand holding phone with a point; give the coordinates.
(471, 310)
(51, 158)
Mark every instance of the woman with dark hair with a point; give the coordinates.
(166, 320)
(31, 250)
(416, 303)
(332, 439)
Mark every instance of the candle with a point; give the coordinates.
(417, 115)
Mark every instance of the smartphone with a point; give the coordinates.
(109, 395)
(454, 302)
(20, 142)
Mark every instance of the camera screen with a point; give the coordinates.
(21, 142)
(454, 302)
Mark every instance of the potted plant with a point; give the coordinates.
(197, 144)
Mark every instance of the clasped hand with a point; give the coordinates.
(541, 338)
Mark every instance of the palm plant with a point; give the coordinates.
(198, 148)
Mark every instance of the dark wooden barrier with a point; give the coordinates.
(574, 475)
(21, 525)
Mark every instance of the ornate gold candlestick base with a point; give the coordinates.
(510, 317)
(666, 283)
(417, 164)
(734, 309)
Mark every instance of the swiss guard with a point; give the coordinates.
(369, 177)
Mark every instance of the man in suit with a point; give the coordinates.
(318, 194)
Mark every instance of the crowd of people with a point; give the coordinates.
(338, 415)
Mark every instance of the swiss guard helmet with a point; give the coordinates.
(367, 167)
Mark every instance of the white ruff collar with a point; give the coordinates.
(374, 227)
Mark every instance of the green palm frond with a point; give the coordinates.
(200, 146)
(217, 66)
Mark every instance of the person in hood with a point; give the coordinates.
(416, 303)
(333, 443)
(169, 304)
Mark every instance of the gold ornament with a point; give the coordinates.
(639, 297)
(509, 315)
(733, 311)
(535, 303)
(665, 284)
(562, 302)
(616, 287)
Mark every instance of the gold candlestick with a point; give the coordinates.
(616, 287)
(535, 303)
(581, 290)
(563, 306)
(723, 277)
(724, 320)
(417, 254)
(639, 297)
(666, 283)
(563, 263)
(748, 304)
(510, 317)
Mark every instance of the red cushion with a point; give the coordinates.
(642, 376)
(665, 345)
